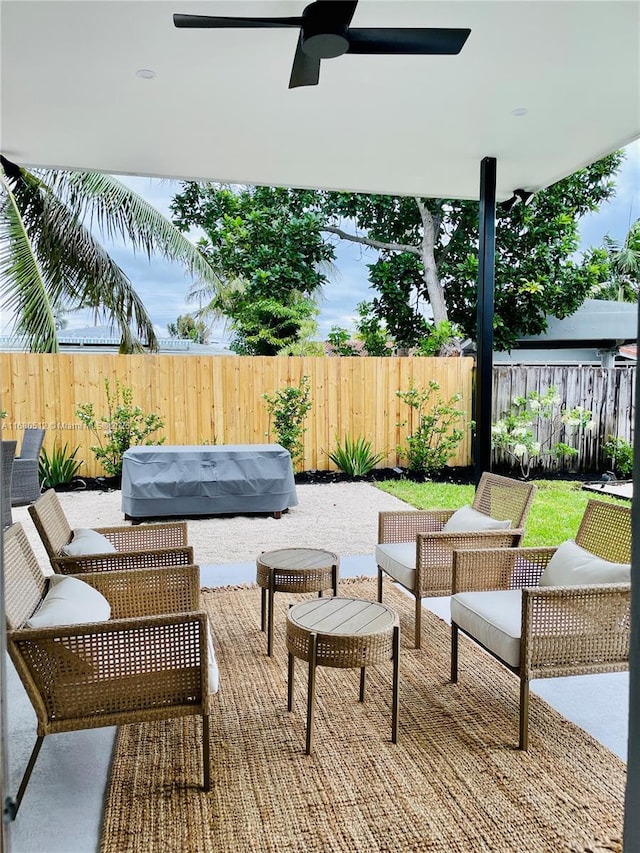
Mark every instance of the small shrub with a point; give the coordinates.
(58, 467)
(620, 452)
(355, 458)
(436, 428)
(287, 409)
(518, 432)
(124, 426)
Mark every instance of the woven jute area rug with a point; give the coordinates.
(454, 781)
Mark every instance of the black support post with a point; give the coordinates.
(484, 331)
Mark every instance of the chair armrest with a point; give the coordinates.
(498, 568)
(120, 560)
(105, 673)
(402, 525)
(25, 462)
(575, 630)
(146, 537)
(140, 592)
(434, 555)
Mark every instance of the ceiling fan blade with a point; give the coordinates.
(208, 22)
(410, 41)
(305, 70)
(336, 11)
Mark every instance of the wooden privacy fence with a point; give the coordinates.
(608, 393)
(218, 399)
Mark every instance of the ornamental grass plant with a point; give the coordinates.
(355, 457)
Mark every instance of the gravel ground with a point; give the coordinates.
(342, 517)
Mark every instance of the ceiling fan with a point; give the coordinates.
(325, 33)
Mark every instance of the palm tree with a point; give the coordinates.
(624, 267)
(51, 262)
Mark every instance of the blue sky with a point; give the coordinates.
(163, 287)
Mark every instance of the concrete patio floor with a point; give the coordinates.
(62, 808)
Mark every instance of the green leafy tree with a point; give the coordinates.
(189, 328)
(341, 342)
(369, 329)
(428, 253)
(124, 426)
(51, 262)
(427, 250)
(440, 339)
(270, 240)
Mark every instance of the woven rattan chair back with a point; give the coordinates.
(31, 443)
(605, 530)
(25, 481)
(502, 498)
(51, 523)
(24, 582)
(8, 453)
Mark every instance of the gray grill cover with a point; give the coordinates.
(206, 480)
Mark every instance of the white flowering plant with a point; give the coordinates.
(539, 425)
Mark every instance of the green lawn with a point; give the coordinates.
(557, 507)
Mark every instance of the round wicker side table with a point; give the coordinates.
(293, 570)
(343, 633)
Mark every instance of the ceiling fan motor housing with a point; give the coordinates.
(322, 38)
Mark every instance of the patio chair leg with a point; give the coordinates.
(454, 653)
(418, 618)
(206, 761)
(524, 715)
(27, 774)
(379, 584)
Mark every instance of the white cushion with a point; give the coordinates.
(571, 565)
(70, 601)
(87, 541)
(398, 560)
(214, 675)
(493, 618)
(468, 519)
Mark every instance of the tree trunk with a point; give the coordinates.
(430, 273)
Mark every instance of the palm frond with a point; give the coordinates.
(76, 270)
(24, 290)
(117, 211)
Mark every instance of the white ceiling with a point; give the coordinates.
(219, 106)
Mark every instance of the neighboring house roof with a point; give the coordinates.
(597, 322)
(102, 339)
(596, 333)
(629, 351)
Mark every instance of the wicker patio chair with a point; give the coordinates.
(137, 547)
(148, 661)
(8, 454)
(547, 631)
(416, 550)
(25, 482)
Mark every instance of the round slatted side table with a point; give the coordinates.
(344, 633)
(293, 570)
